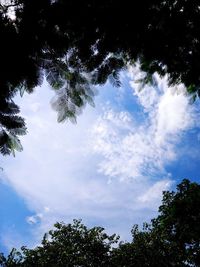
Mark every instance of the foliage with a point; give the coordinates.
(69, 245)
(78, 44)
(11, 126)
(178, 221)
(171, 239)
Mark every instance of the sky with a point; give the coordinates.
(109, 169)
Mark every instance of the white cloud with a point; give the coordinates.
(34, 219)
(154, 193)
(137, 148)
(147, 97)
(174, 115)
(37, 218)
(100, 169)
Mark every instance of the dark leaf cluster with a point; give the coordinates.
(76, 45)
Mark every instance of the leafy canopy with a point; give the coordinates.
(75, 45)
(171, 239)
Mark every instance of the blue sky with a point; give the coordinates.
(109, 169)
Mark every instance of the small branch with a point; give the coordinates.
(6, 7)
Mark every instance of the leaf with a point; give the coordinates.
(114, 79)
(15, 143)
(191, 88)
(18, 131)
(5, 150)
(61, 116)
(22, 90)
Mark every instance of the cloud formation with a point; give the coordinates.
(110, 169)
(141, 147)
(154, 193)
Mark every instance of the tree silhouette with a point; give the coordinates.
(171, 239)
(76, 45)
(67, 245)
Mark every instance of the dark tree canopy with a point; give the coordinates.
(75, 45)
(67, 245)
(170, 240)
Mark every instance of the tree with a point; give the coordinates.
(170, 240)
(67, 245)
(78, 44)
(146, 249)
(178, 221)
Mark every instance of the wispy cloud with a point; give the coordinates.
(135, 148)
(109, 169)
(37, 218)
(154, 193)
(34, 219)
